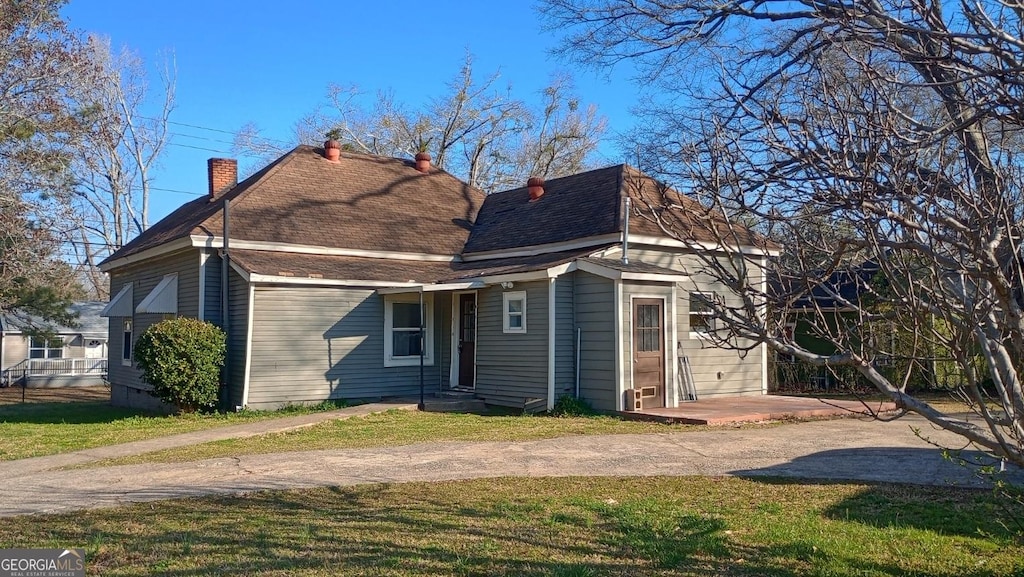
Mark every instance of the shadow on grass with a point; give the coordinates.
(80, 413)
(451, 529)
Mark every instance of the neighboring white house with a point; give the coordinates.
(73, 356)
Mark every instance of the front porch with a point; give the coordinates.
(725, 410)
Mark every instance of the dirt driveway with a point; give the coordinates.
(842, 450)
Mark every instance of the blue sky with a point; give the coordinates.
(271, 62)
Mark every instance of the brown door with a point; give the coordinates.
(467, 339)
(649, 351)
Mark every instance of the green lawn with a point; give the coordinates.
(46, 428)
(404, 428)
(568, 527)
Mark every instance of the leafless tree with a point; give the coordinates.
(854, 131)
(477, 130)
(114, 160)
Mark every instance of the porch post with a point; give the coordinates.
(423, 344)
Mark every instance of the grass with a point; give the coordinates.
(71, 420)
(397, 427)
(561, 527)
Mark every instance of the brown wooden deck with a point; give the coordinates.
(724, 410)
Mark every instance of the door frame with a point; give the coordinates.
(668, 339)
(453, 370)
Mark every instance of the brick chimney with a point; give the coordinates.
(223, 173)
(536, 187)
(423, 162)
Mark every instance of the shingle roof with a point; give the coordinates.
(634, 266)
(590, 204)
(89, 322)
(327, 267)
(362, 202)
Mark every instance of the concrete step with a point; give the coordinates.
(455, 394)
(443, 405)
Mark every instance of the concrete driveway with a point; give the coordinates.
(838, 450)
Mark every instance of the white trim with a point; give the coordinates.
(203, 257)
(275, 279)
(619, 360)
(163, 299)
(674, 345)
(127, 361)
(123, 298)
(536, 249)
(506, 325)
(552, 314)
(764, 346)
(248, 347)
(689, 313)
(391, 289)
(696, 244)
(147, 254)
(218, 242)
(456, 356)
(608, 272)
(428, 341)
(665, 338)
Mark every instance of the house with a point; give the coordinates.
(827, 317)
(319, 265)
(72, 356)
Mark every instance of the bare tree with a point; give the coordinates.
(476, 130)
(897, 124)
(114, 161)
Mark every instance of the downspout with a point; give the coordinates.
(551, 343)
(625, 231)
(423, 346)
(225, 264)
(579, 340)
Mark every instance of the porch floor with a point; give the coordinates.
(724, 410)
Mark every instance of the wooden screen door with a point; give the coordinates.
(467, 339)
(649, 351)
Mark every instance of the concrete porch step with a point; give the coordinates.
(454, 402)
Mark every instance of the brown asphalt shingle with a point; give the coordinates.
(590, 204)
(362, 202)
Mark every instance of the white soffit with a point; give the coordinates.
(120, 305)
(163, 299)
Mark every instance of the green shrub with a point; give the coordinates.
(182, 358)
(569, 406)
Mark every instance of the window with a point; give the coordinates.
(43, 348)
(126, 343)
(702, 315)
(402, 338)
(514, 316)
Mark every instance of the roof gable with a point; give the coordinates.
(361, 202)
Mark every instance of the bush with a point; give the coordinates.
(569, 406)
(182, 358)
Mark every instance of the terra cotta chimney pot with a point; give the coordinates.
(423, 162)
(536, 188)
(332, 150)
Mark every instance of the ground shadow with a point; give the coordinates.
(81, 413)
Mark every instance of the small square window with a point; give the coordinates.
(513, 305)
(702, 313)
(403, 337)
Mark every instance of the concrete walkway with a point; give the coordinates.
(22, 467)
(837, 450)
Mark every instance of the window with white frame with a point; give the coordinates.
(126, 342)
(46, 348)
(702, 314)
(403, 338)
(513, 318)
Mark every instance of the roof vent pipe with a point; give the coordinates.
(625, 232)
(536, 187)
(332, 150)
(423, 162)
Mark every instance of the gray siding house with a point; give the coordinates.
(328, 270)
(69, 356)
